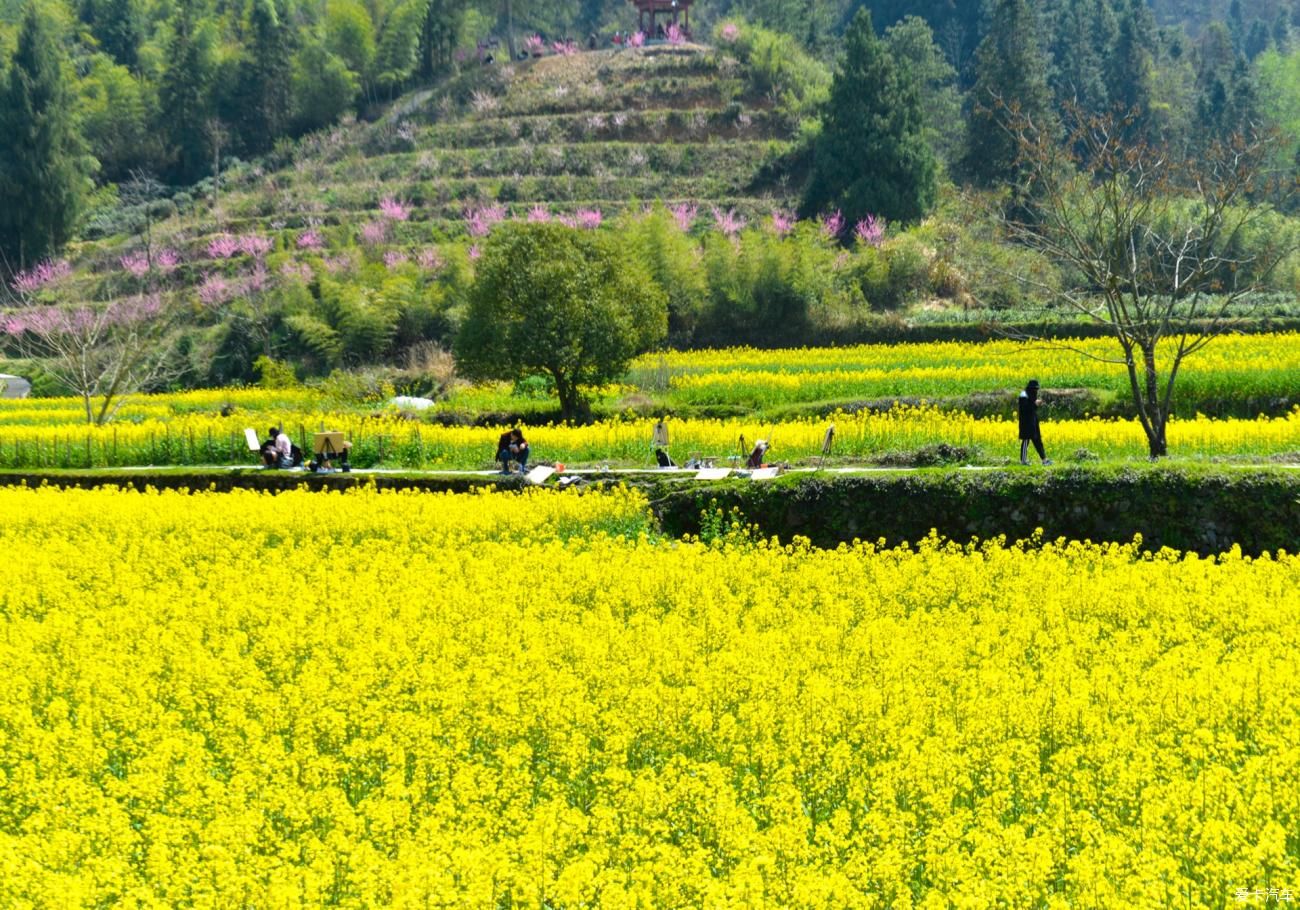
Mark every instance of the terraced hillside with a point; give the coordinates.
(595, 132)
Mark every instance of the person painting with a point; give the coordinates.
(1030, 432)
(277, 451)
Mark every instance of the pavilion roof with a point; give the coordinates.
(661, 6)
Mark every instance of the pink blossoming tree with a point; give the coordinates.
(104, 353)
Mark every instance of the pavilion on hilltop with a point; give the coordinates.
(655, 14)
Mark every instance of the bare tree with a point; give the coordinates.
(1161, 247)
(103, 352)
(142, 190)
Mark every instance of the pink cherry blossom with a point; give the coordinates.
(87, 322)
(538, 215)
(310, 239)
(136, 264)
(475, 252)
(637, 39)
(674, 34)
(223, 246)
(257, 280)
(255, 245)
(430, 260)
(728, 222)
(394, 210)
(299, 271)
(534, 45)
(40, 275)
(729, 33)
(684, 215)
(340, 263)
(374, 233)
(870, 230)
(782, 223)
(394, 259)
(589, 219)
(215, 290)
(833, 225)
(167, 260)
(480, 221)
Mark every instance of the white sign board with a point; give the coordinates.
(764, 473)
(540, 474)
(713, 474)
(250, 437)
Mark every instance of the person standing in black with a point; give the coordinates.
(1030, 432)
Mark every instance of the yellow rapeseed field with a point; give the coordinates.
(486, 701)
(205, 439)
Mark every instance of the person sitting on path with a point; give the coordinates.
(503, 451)
(519, 449)
(1030, 431)
(512, 446)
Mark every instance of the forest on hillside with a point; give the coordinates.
(167, 91)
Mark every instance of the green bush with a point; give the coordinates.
(780, 68)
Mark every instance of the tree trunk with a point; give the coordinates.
(568, 394)
(1157, 418)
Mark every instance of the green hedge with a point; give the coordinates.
(1205, 511)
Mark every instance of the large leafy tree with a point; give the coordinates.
(1010, 81)
(872, 157)
(561, 302)
(43, 167)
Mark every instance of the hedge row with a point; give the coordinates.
(1204, 511)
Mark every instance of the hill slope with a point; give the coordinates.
(601, 130)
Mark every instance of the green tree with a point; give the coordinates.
(396, 55)
(323, 88)
(350, 36)
(259, 105)
(185, 98)
(439, 32)
(1084, 40)
(1010, 80)
(562, 302)
(116, 119)
(1131, 68)
(912, 45)
(956, 23)
(872, 157)
(119, 28)
(44, 169)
